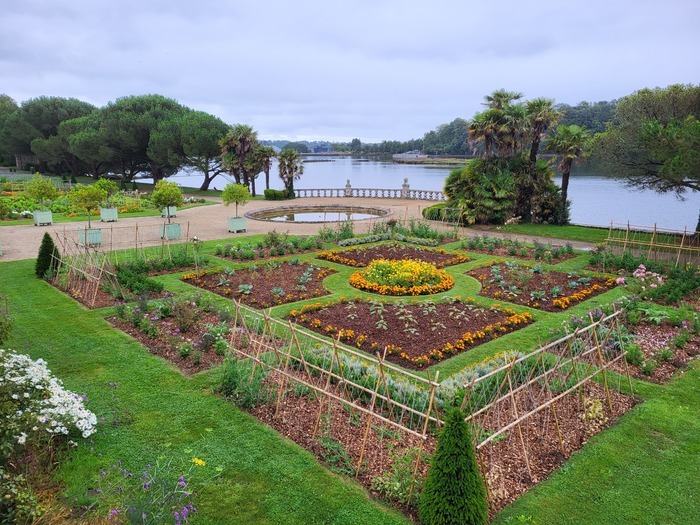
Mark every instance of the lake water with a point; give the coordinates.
(595, 199)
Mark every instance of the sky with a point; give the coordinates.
(340, 69)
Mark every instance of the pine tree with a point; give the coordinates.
(47, 260)
(454, 493)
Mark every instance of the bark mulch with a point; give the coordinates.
(652, 339)
(414, 334)
(544, 290)
(274, 284)
(301, 418)
(360, 257)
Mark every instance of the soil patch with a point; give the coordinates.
(264, 286)
(360, 257)
(530, 286)
(428, 331)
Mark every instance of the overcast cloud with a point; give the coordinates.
(339, 69)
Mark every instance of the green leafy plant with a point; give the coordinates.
(634, 355)
(334, 454)
(398, 482)
(240, 384)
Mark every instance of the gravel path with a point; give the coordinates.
(209, 223)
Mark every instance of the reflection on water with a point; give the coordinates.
(595, 199)
(322, 217)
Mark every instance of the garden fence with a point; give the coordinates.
(512, 407)
(656, 244)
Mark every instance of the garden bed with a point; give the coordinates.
(274, 245)
(659, 352)
(548, 253)
(263, 286)
(192, 337)
(338, 441)
(532, 286)
(415, 334)
(360, 257)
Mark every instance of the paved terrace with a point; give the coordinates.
(209, 223)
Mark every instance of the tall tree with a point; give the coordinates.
(290, 169)
(569, 144)
(501, 98)
(540, 116)
(143, 134)
(237, 147)
(200, 136)
(266, 153)
(36, 121)
(652, 140)
(507, 137)
(86, 139)
(7, 107)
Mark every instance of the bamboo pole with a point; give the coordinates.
(602, 364)
(520, 430)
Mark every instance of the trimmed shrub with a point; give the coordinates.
(275, 195)
(454, 492)
(48, 258)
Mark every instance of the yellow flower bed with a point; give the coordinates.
(403, 277)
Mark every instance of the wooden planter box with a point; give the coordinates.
(170, 231)
(237, 224)
(108, 214)
(169, 211)
(42, 218)
(91, 237)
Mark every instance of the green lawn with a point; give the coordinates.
(265, 478)
(642, 470)
(570, 232)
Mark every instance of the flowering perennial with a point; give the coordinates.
(31, 400)
(403, 277)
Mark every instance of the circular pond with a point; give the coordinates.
(318, 213)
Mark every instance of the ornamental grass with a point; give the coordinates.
(402, 277)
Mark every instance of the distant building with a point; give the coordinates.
(322, 148)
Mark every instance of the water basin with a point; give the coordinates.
(320, 213)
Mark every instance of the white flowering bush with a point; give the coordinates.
(33, 402)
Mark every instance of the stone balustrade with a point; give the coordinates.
(405, 192)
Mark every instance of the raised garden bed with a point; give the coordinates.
(532, 286)
(414, 334)
(262, 286)
(360, 257)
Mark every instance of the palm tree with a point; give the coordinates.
(267, 153)
(501, 98)
(569, 143)
(541, 116)
(290, 169)
(236, 147)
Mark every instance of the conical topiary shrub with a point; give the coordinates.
(454, 493)
(48, 258)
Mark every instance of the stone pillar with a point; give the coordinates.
(348, 189)
(404, 189)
